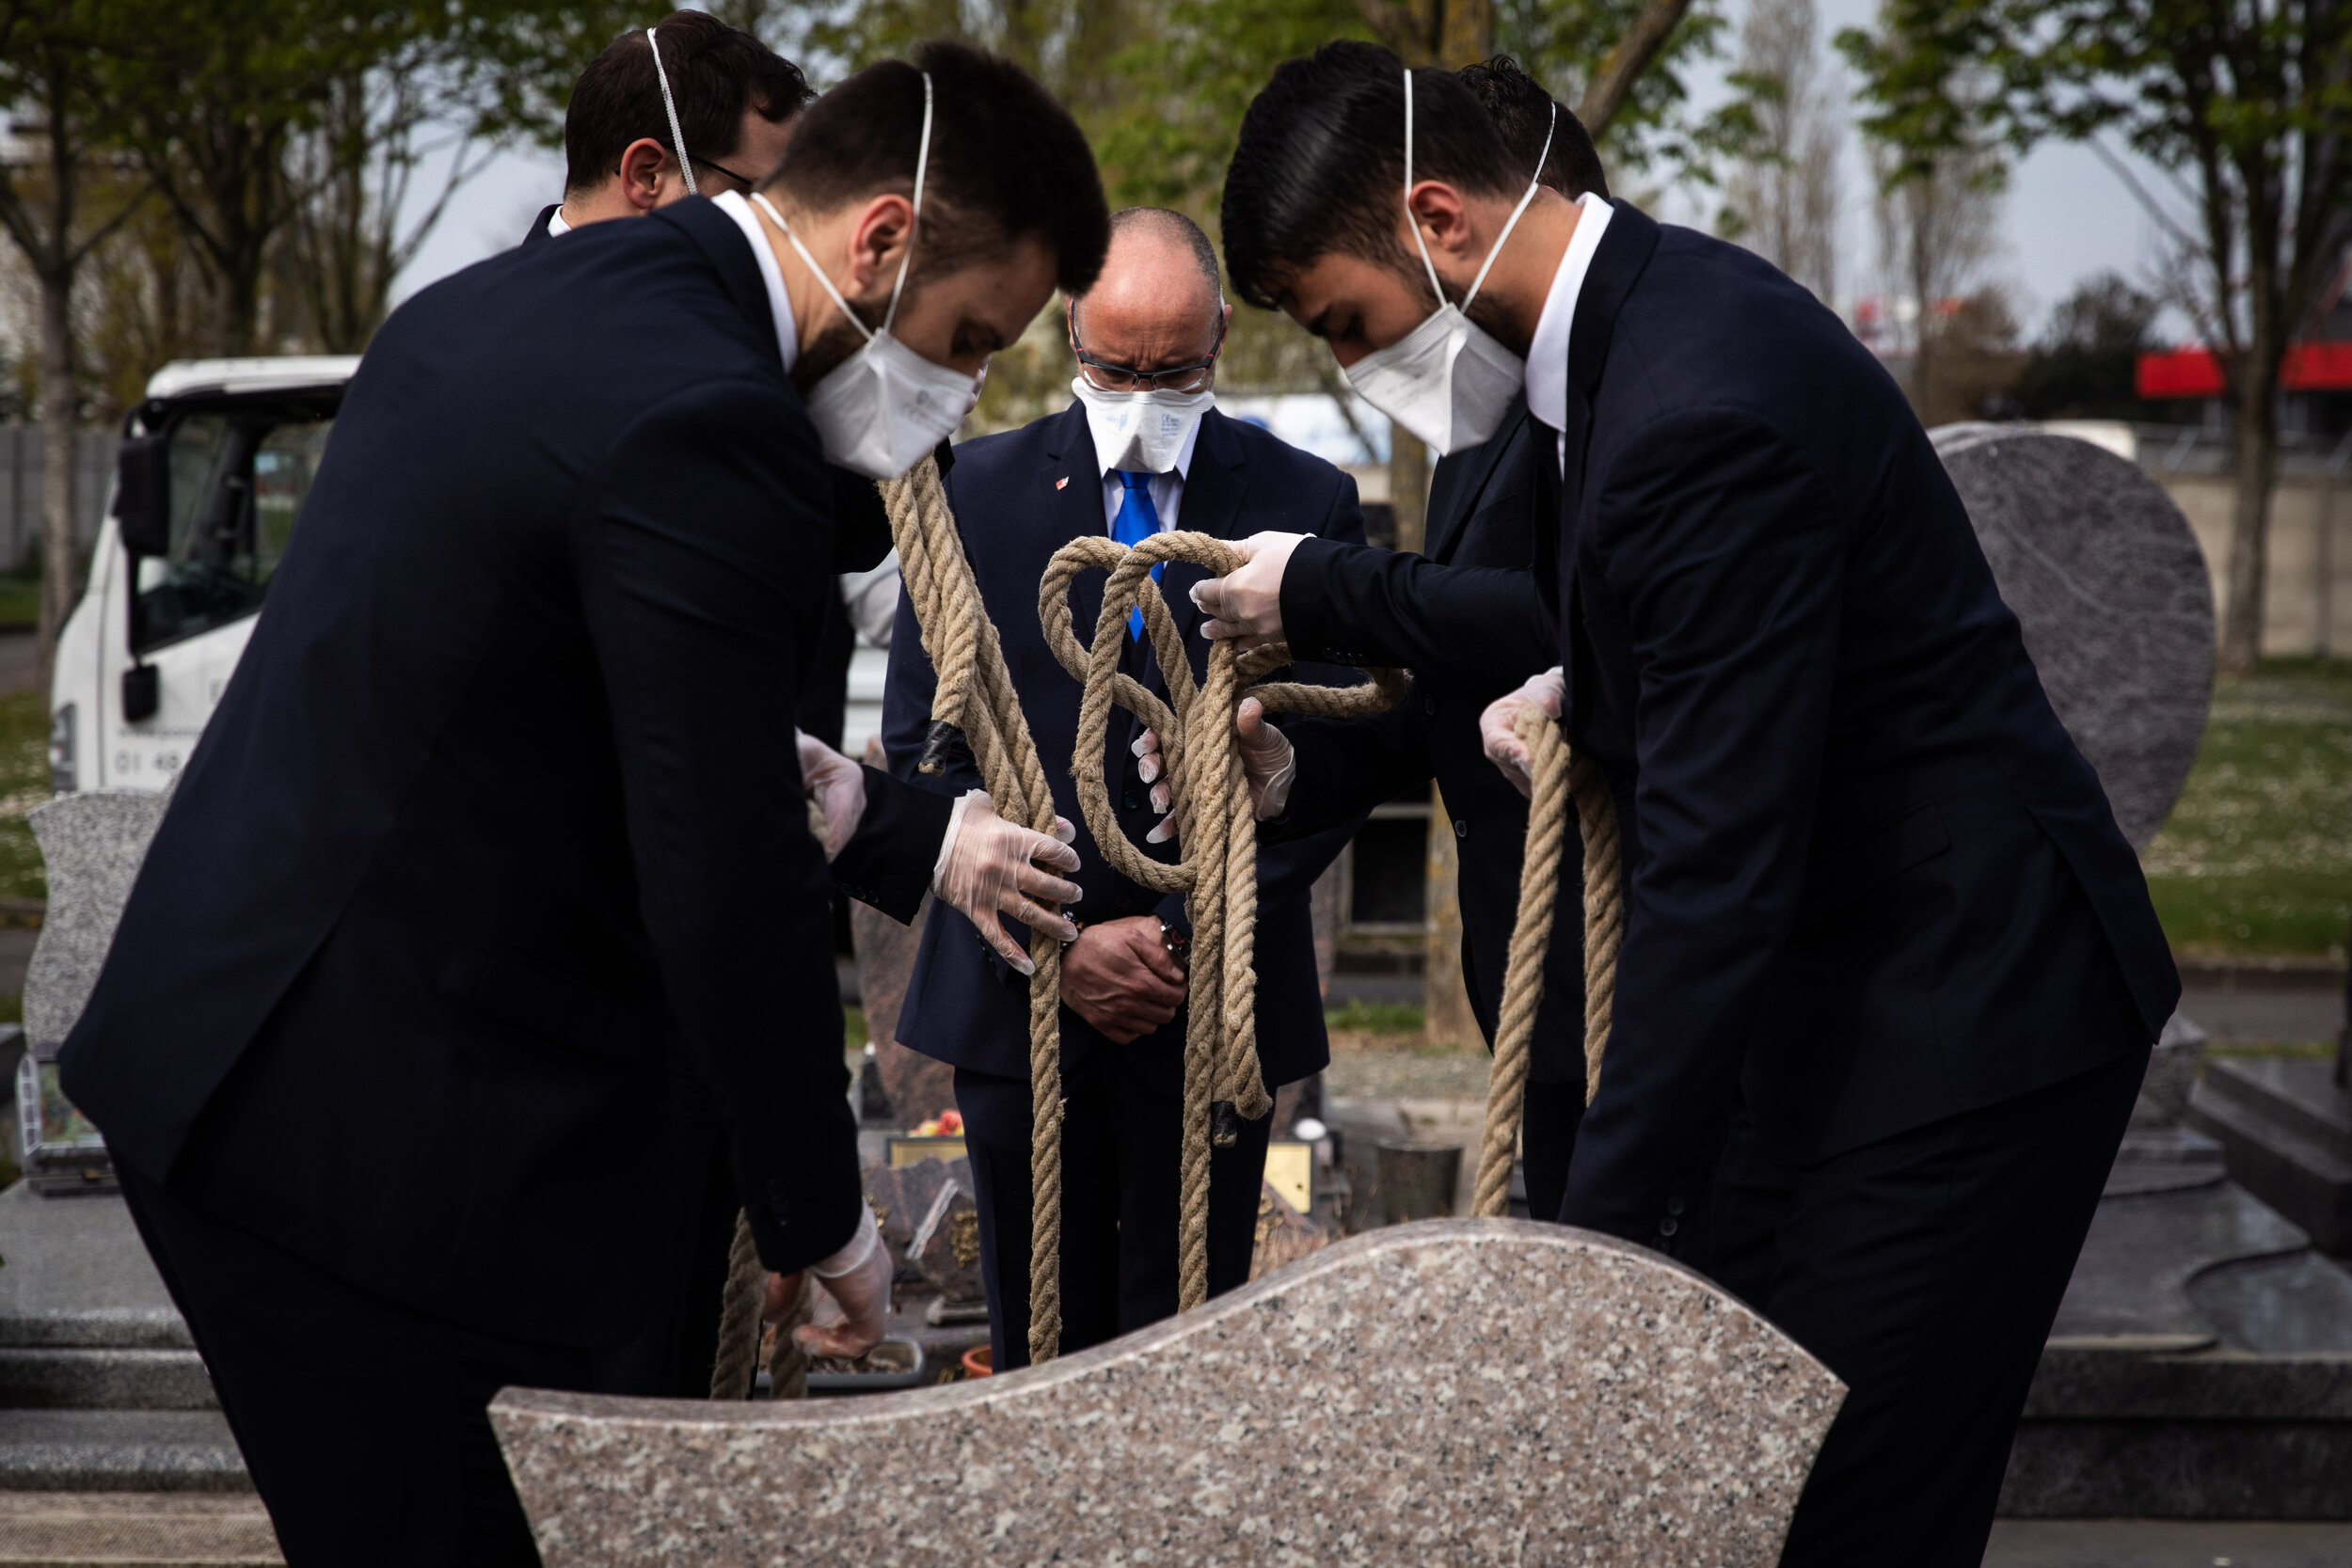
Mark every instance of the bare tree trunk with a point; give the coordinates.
(60, 560)
(2257, 443)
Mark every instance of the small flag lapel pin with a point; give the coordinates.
(1062, 483)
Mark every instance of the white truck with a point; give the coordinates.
(215, 467)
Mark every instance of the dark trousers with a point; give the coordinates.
(673, 1358)
(363, 1423)
(1925, 1270)
(1121, 1194)
(1549, 1117)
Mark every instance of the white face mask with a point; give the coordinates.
(880, 409)
(1447, 381)
(1140, 431)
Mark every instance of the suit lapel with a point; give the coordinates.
(1479, 466)
(1071, 500)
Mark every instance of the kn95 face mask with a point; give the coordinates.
(1446, 381)
(880, 409)
(1140, 431)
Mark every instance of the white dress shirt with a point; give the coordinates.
(1548, 351)
(1168, 490)
(555, 221)
(788, 334)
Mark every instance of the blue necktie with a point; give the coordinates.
(1137, 520)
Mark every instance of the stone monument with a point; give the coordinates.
(1576, 1400)
(2110, 588)
(93, 843)
(2180, 1379)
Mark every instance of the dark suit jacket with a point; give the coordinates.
(1872, 881)
(503, 792)
(1471, 621)
(538, 229)
(964, 1004)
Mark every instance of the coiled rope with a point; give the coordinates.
(1558, 780)
(1215, 824)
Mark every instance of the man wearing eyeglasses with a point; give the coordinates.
(1142, 449)
(689, 107)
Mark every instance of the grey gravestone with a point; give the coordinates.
(2113, 594)
(93, 843)
(1577, 1401)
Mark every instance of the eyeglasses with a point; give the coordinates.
(1105, 377)
(744, 181)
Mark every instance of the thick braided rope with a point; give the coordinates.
(737, 1359)
(1558, 777)
(974, 694)
(1524, 973)
(1604, 911)
(1215, 822)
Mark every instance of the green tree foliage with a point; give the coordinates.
(2247, 107)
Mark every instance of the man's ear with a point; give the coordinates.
(877, 240)
(1437, 209)
(641, 163)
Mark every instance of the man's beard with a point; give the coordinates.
(835, 342)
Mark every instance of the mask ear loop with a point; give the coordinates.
(669, 106)
(922, 161)
(1437, 287)
(1533, 185)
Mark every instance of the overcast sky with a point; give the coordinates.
(2067, 216)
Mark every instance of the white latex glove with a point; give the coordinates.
(1246, 602)
(1498, 727)
(858, 1280)
(989, 866)
(1148, 767)
(835, 786)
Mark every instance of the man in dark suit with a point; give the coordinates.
(1469, 620)
(1141, 451)
(1876, 902)
(626, 155)
(504, 796)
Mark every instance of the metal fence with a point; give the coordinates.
(20, 487)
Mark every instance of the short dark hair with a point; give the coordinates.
(716, 72)
(1523, 112)
(1320, 165)
(1007, 161)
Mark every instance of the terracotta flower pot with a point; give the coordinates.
(976, 1362)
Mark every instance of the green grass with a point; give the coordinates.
(23, 784)
(854, 1031)
(2256, 860)
(1376, 1018)
(20, 601)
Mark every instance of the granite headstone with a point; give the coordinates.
(93, 843)
(2113, 596)
(1610, 1407)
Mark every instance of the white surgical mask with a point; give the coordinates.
(1140, 431)
(1447, 381)
(880, 409)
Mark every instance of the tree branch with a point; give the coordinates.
(1625, 62)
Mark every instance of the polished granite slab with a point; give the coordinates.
(1471, 1391)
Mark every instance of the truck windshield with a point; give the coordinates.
(238, 477)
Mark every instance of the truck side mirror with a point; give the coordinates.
(143, 493)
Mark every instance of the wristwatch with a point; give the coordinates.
(1179, 945)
